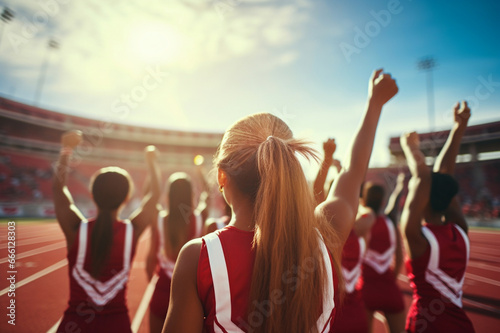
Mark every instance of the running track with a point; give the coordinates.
(42, 280)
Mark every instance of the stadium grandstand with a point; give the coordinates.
(477, 169)
(30, 142)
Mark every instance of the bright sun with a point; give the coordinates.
(155, 42)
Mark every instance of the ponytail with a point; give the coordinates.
(288, 279)
(180, 210)
(101, 242)
(288, 257)
(110, 188)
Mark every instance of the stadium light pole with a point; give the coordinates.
(427, 65)
(6, 17)
(43, 70)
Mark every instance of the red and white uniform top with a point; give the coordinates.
(108, 291)
(352, 260)
(381, 247)
(195, 231)
(441, 270)
(224, 276)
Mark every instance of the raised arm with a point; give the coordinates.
(67, 214)
(148, 211)
(204, 200)
(329, 148)
(445, 162)
(391, 210)
(152, 259)
(341, 205)
(419, 189)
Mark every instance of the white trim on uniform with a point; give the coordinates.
(381, 262)
(351, 276)
(220, 280)
(442, 282)
(102, 292)
(323, 323)
(165, 263)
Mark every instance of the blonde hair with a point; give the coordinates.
(259, 154)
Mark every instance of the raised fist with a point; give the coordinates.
(461, 113)
(382, 87)
(151, 153)
(410, 140)
(329, 146)
(71, 139)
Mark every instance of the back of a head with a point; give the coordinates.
(443, 188)
(258, 153)
(180, 190)
(110, 188)
(180, 208)
(373, 196)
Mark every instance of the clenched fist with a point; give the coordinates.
(461, 113)
(382, 87)
(71, 139)
(410, 140)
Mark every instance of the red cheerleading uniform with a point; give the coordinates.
(99, 305)
(223, 278)
(437, 278)
(351, 313)
(161, 295)
(378, 284)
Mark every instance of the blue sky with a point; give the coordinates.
(201, 65)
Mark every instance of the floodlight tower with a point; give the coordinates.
(427, 65)
(6, 16)
(43, 70)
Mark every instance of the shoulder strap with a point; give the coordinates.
(323, 323)
(220, 281)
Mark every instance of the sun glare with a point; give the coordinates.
(155, 42)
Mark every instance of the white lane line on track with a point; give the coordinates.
(20, 234)
(35, 241)
(481, 306)
(42, 249)
(481, 256)
(53, 329)
(482, 279)
(483, 266)
(143, 306)
(485, 250)
(37, 275)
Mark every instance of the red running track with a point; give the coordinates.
(42, 287)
